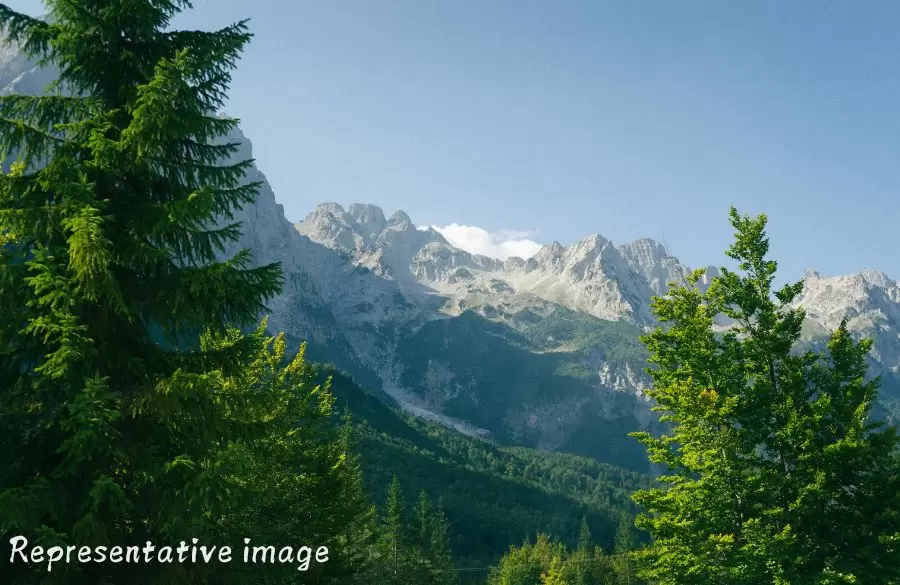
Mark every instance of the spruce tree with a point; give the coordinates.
(394, 557)
(582, 558)
(585, 540)
(116, 427)
(422, 522)
(776, 473)
(625, 540)
(439, 555)
(622, 563)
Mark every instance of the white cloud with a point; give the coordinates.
(476, 240)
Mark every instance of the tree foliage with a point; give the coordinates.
(412, 551)
(302, 483)
(776, 474)
(132, 407)
(545, 562)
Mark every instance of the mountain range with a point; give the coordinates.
(541, 352)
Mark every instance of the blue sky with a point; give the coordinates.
(560, 119)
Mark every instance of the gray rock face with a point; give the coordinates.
(869, 300)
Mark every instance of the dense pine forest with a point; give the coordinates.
(143, 397)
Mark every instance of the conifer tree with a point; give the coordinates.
(115, 427)
(777, 475)
(415, 552)
(394, 556)
(622, 563)
(394, 521)
(422, 522)
(625, 540)
(439, 555)
(582, 557)
(589, 566)
(585, 540)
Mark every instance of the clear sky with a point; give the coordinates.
(558, 119)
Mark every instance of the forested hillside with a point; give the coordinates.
(493, 496)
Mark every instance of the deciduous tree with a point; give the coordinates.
(776, 472)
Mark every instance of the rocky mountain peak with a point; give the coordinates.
(400, 221)
(650, 259)
(550, 255)
(361, 225)
(869, 300)
(877, 278)
(368, 219)
(555, 247)
(335, 209)
(329, 224)
(591, 244)
(593, 256)
(646, 248)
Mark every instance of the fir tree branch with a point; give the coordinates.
(32, 34)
